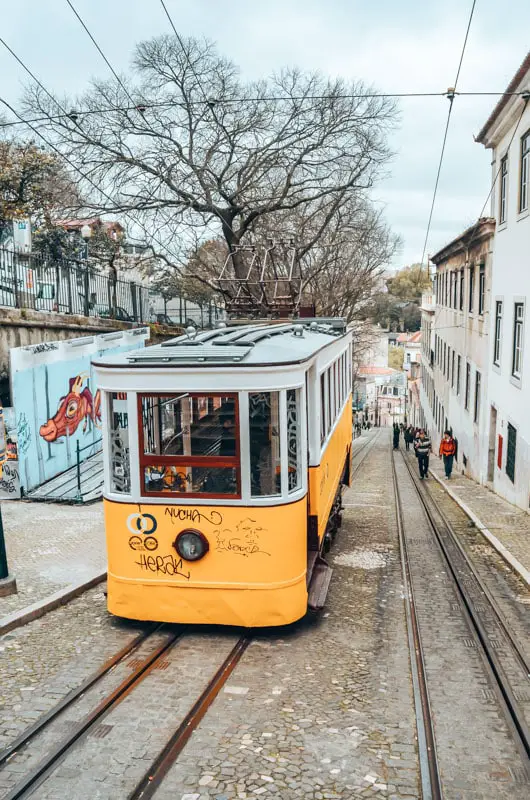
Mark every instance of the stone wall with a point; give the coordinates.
(21, 327)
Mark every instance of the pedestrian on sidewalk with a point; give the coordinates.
(447, 452)
(423, 447)
(408, 436)
(396, 436)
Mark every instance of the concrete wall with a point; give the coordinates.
(23, 327)
(57, 403)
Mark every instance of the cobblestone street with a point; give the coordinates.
(322, 709)
(50, 547)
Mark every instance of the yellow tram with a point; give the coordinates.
(225, 452)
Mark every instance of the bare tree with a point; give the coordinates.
(178, 162)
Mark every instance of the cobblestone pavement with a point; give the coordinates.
(319, 710)
(324, 709)
(49, 547)
(43, 660)
(477, 756)
(509, 524)
(111, 759)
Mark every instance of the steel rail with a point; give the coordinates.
(154, 776)
(513, 711)
(38, 775)
(31, 731)
(371, 441)
(429, 770)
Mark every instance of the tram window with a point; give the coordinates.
(294, 450)
(120, 472)
(264, 435)
(189, 444)
(188, 425)
(322, 407)
(190, 480)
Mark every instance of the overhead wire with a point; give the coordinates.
(146, 104)
(451, 96)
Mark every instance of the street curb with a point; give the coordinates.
(41, 607)
(503, 551)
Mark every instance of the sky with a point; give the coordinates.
(392, 45)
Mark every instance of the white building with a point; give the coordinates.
(411, 344)
(507, 417)
(454, 377)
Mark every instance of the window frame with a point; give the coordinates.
(458, 374)
(467, 387)
(476, 401)
(518, 326)
(149, 459)
(481, 288)
(503, 191)
(462, 289)
(471, 299)
(524, 172)
(497, 333)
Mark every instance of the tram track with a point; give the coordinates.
(502, 654)
(161, 764)
(37, 775)
(429, 769)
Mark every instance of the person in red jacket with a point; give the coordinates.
(447, 452)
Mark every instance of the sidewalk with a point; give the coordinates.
(498, 520)
(49, 548)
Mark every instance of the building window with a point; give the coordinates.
(471, 288)
(468, 386)
(503, 190)
(453, 370)
(517, 353)
(462, 284)
(498, 331)
(455, 289)
(481, 288)
(525, 171)
(458, 370)
(476, 406)
(510, 452)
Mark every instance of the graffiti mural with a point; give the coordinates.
(75, 407)
(57, 403)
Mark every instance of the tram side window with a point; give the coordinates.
(120, 468)
(264, 435)
(190, 444)
(294, 449)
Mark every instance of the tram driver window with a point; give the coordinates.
(264, 435)
(190, 444)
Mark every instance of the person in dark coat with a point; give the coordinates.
(423, 449)
(396, 436)
(408, 436)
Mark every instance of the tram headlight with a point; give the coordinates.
(191, 545)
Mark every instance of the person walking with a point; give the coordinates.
(408, 437)
(423, 448)
(448, 452)
(396, 436)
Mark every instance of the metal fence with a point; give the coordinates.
(33, 281)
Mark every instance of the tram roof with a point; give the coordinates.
(246, 345)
